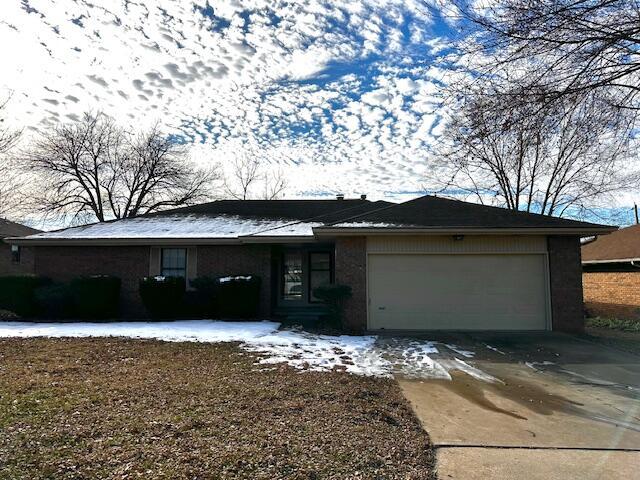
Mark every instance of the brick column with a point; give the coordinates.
(565, 272)
(351, 270)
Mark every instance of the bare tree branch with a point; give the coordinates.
(94, 167)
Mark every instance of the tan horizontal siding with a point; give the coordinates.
(445, 244)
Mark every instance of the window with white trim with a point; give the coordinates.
(173, 262)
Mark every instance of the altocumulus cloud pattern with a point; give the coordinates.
(343, 95)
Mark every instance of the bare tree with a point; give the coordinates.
(10, 193)
(566, 48)
(93, 167)
(552, 161)
(248, 179)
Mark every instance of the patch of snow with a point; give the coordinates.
(298, 229)
(237, 277)
(534, 365)
(367, 225)
(494, 349)
(169, 226)
(362, 355)
(462, 366)
(460, 351)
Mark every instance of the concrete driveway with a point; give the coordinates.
(563, 407)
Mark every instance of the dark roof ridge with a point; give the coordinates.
(317, 217)
(520, 213)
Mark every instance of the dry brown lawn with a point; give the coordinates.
(116, 408)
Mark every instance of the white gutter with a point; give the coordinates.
(614, 260)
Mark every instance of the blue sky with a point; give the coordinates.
(342, 96)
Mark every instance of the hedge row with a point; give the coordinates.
(210, 297)
(93, 297)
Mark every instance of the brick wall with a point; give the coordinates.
(222, 260)
(565, 271)
(130, 264)
(7, 267)
(351, 269)
(612, 294)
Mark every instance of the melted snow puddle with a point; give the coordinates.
(361, 355)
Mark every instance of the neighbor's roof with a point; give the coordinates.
(438, 214)
(620, 246)
(233, 221)
(12, 229)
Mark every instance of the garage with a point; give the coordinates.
(503, 291)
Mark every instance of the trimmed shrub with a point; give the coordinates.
(55, 301)
(238, 296)
(163, 297)
(96, 297)
(17, 293)
(203, 300)
(334, 296)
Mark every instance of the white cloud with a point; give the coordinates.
(323, 88)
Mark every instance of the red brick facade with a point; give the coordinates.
(7, 267)
(565, 272)
(129, 264)
(221, 260)
(612, 294)
(351, 269)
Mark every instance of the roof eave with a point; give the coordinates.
(100, 242)
(351, 231)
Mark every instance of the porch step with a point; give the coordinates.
(306, 317)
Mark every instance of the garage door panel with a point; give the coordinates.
(457, 292)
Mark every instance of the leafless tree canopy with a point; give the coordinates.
(248, 179)
(552, 161)
(94, 168)
(561, 47)
(10, 194)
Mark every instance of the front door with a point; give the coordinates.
(301, 271)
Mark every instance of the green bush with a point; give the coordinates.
(96, 297)
(163, 297)
(615, 324)
(238, 296)
(55, 301)
(334, 296)
(17, 293)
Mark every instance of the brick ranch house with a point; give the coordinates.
(611, 274)
(426, 264)
(14, 261)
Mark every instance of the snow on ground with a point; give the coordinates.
(362, 355)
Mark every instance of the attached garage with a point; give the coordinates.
(472, 283)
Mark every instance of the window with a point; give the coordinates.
(15, 254)
(174, 262)
(319, 271)
(292, 276)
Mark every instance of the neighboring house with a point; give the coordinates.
(611, 278)
(426, 264)
(15, 260)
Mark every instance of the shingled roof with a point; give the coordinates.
(276, 220)
(12, 229)
(437, 213)
(623, 245)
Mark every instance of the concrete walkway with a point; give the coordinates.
(563, 408)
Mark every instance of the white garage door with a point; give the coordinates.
(457, 292)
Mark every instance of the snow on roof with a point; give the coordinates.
(170, 226)
(299, 229)
(365, 225)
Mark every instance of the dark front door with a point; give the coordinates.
(301, 270)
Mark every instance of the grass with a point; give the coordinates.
(116, 408)
(614, 324)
